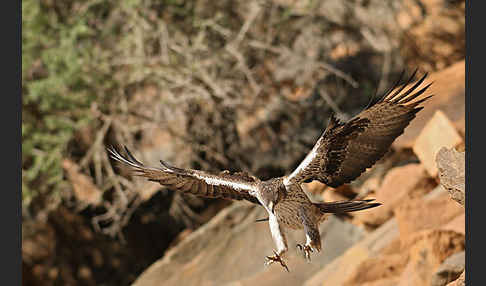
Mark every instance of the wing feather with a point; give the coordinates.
(235, 186)
(345, 150)
(346, 206)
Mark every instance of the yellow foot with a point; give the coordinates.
(276, 258)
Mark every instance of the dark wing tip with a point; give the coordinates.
(367, 203)
(129, 160)
(132, 158)
(397, 96)
(379, 99)
(395, 86)
(114, 154)
(414, 104)
(404, 98)
(373, 205)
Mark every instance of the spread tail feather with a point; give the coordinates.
(346, 206)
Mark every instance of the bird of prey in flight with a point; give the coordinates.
(340, 155)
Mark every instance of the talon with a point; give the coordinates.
(276, 258)
(306, 249)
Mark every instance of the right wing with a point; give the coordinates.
(347, 149)
(235, 186)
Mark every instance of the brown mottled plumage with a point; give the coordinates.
(340, 155)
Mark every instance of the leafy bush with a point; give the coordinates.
(58, 86)
(74, 54)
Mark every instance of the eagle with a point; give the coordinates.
(341, 154)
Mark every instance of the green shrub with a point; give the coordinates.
(58, 87)
(72, 56)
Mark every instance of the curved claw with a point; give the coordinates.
(306, 249)
(276, 258)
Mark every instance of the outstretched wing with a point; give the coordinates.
(345, 150)
(225, 185)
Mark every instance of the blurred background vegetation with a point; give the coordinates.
(212, 85)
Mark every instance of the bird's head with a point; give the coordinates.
(270, 195)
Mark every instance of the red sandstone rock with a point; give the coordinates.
(427, 250)
(376, 269)
(439, 132)
(458, 224)
(418, 214)
(398, 184)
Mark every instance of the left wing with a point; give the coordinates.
(225, 185)
(345, 150)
